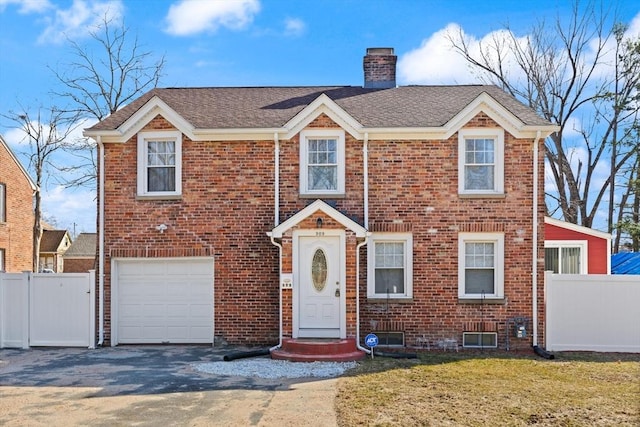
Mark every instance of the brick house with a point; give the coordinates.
(574, 249)
(81, 255)
(53, 245)
(268, 215)
(16, 213)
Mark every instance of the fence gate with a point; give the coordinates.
(47, 310)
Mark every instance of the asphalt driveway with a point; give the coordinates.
(150, 385)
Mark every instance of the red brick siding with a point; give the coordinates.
(16, 234)
(227, 207)
(79, 265)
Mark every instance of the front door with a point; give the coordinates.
(320, 289)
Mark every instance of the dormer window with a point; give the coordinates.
(159, 164)
(322, 162)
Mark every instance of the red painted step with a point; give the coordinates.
(318, 350)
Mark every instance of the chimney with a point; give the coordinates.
(380, 68)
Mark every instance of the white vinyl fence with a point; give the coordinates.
(595, 312)
(46, 309)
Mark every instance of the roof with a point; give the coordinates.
(83, 246)
(625, 263)
(273, 107)
(15, 159)
(51, 240)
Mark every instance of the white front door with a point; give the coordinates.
(320, 287)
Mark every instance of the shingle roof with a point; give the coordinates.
(83, 246)
(51, 240)
(625, 263)
(272, 107)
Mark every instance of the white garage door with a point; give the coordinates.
(164, 301)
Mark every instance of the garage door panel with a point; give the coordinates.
(165, 300)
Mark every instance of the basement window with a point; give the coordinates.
(390, 339)
(480, 340)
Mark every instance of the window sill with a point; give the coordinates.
(159, 197)
(482, 195)
(402, 300)
(322, 196)
(496, 301)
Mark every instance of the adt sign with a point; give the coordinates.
(371, 340)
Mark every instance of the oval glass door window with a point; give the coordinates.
(319, 270)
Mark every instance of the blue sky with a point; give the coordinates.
(248, 43)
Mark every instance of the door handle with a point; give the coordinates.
(337, 292)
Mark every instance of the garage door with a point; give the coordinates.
(164, 301)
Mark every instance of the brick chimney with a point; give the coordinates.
(380, 68)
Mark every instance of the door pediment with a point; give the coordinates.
(314, 207)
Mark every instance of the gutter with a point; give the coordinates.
(101, 242)
(361, 244)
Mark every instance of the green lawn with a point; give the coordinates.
(493, 389)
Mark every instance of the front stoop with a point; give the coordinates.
(318, 350)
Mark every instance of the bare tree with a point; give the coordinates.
(557, 70)
(104, 76)
(47, 134)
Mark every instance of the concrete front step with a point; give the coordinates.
(318, 350)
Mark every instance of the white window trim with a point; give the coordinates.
(564, 244)
(143, 137)
(338, 134)
(498, 135)
(498, 240)
(3, 202)
(407, 240)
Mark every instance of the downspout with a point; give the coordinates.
(276, 219)
(534, 270)
(101, 243)
(365, 172)
(276, 210)
(273, 241)
(361, 244)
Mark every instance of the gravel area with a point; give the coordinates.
(269, 368)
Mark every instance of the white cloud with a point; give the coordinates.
(294, 27)
(27, 6)
(69, 207)
(189, 17)
(437, 62)
(80, 19)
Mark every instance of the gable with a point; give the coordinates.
(318, 206)
(13, 159)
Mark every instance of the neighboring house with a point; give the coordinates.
(260, 216)
(16, 213)
(81, 255)
(53, 245)
(574, 249)
(625, 263)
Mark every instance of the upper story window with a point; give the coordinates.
(322, 162)
(480, 265)
(565, 256)
(481, 161)
(3, 202)
(159, 164)
(390, 264)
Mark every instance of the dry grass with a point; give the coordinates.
(493, 389)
